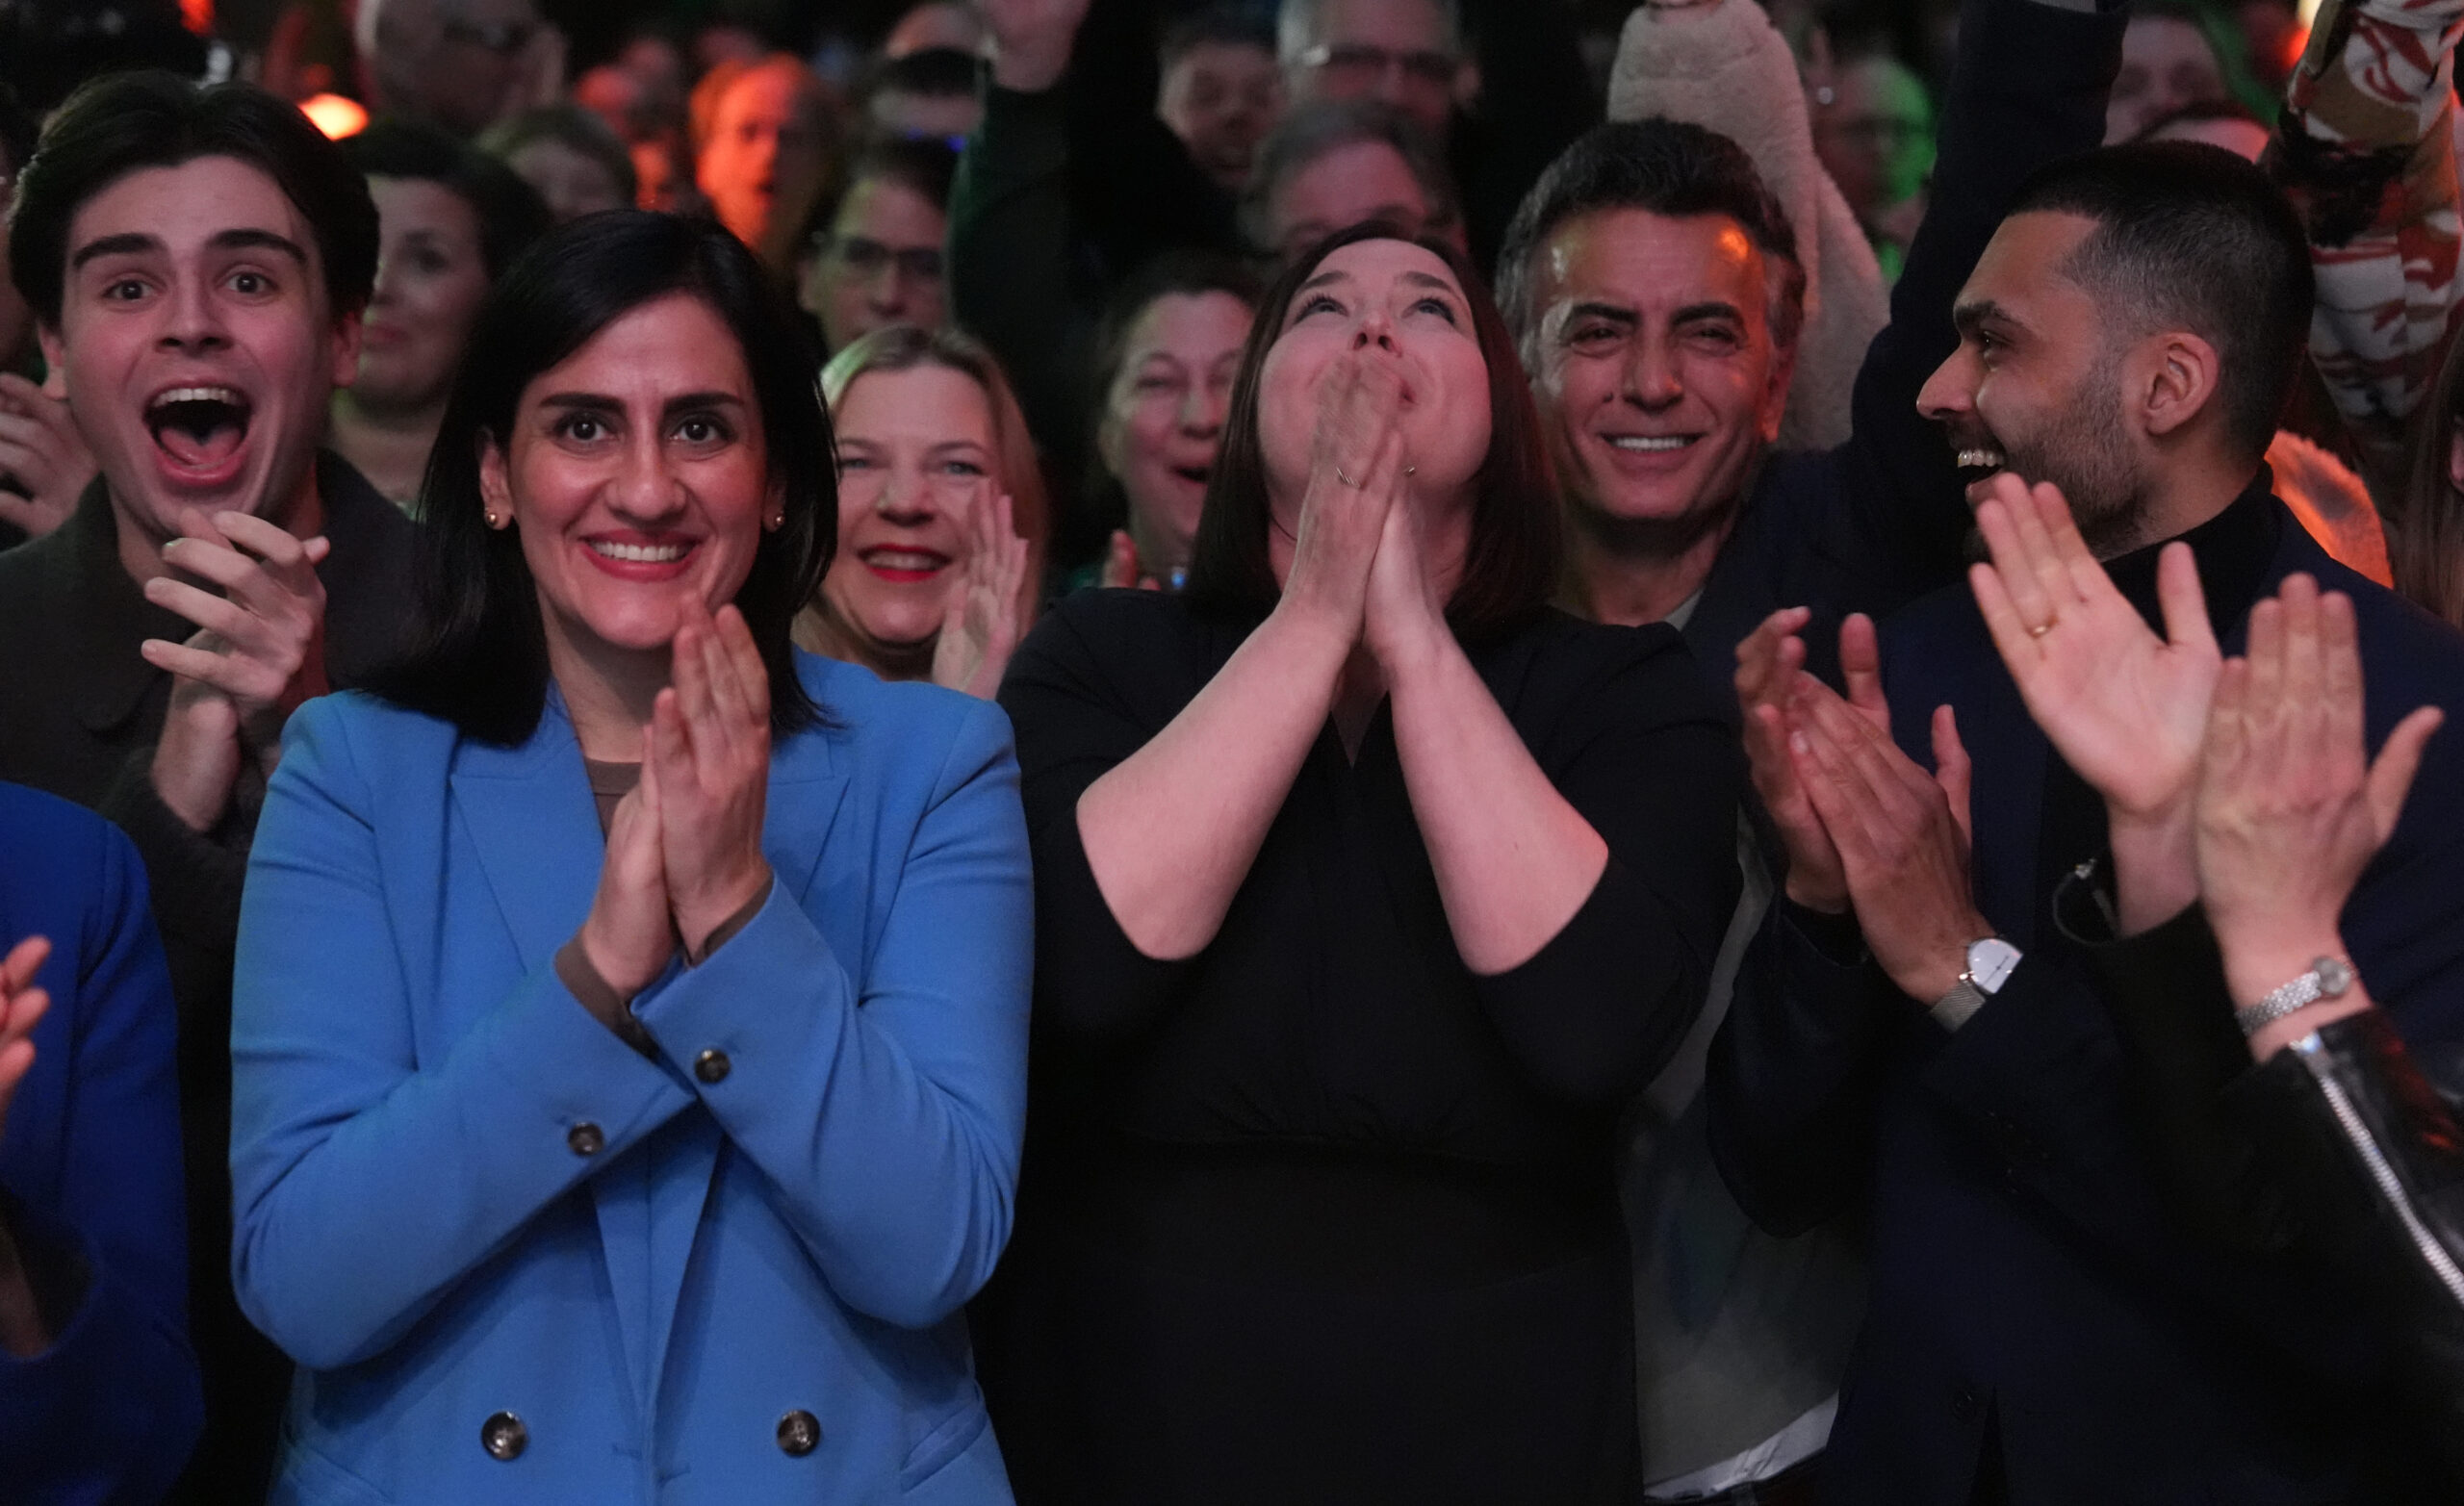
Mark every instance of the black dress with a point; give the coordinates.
(1317, 1214)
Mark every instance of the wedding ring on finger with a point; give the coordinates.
(1344, 479)
(2043, 627)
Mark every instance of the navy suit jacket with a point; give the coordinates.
(1876, 522)
(90, 1173)
(2032, 1283)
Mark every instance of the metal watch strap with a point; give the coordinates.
(1953, 1009)
(1990, 961)
(2327, 979)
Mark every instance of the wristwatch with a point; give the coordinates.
(2327, 979)
(1990, 961)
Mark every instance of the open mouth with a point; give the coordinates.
(1982, 460)
(1195, 475)
(1650, 443)
(199, 429)
(904, 567)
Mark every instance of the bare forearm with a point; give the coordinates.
(2155, 869)
(1514, 859)
(1171, 830)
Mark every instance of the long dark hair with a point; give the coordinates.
(482, 657)
(1510, 569)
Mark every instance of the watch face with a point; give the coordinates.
(1989, 962)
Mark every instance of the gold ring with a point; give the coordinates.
(2042, 629)
(1344, 479)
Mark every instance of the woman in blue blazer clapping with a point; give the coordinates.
(631, 1018)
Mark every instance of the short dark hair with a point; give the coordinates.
(1187, 272)
(2190, 236)
(510, 212)
(569, 126)
(1323, 126)
(19, 129)
(1214, 26)
(1671, 168)
(921, 163)
(1510, 569)
(482, 657)
(129, 121)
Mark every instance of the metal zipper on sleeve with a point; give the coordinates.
(2433, 1254)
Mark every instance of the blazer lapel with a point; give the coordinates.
(529, 812)
(687, 1158)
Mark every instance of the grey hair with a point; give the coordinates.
(1313, 130)
(1296, 24)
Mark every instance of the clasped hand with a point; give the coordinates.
(684, 846)
(1359, 565)
(1866, 828)
(255, 656)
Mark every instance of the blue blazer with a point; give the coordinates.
(518, 1261)
(89, 1172)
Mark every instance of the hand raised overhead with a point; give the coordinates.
(1031, 40)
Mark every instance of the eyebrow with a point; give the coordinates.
(601, 403)
(1709, 309)
(1322, 279)
(134, 242)
(1428, 280)
(1613, 313)
(1967, 317)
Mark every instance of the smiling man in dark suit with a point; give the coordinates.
(1914, 1030)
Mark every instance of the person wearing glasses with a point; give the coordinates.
(461, 65)
(1414, 56)
(873, 258)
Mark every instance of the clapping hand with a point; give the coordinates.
(709, 749)
(1901, 833)
(2289, 809)
(1769, 665)
(1121, 567)
(986, 614)
(254, 658)
(21, 1006)
(629, 935)
(41, 455)
(2125, 709)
